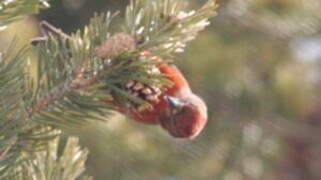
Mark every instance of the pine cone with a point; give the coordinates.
(115, 46)
(149, 94)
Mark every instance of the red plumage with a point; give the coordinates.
(179, 111)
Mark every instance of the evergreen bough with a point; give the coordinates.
(73, 85)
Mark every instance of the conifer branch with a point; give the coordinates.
(17, 136)
(50, 164)
(165, 27)
(80, 75)
(83, 70)
(12, 10)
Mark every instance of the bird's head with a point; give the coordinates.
(184, 117)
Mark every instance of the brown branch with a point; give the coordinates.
(80, 80)
(47, 29)
(114, 46)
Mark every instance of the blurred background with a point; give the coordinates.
(258, 68)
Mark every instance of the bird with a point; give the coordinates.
(177, 109)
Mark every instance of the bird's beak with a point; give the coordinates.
(174, 103)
